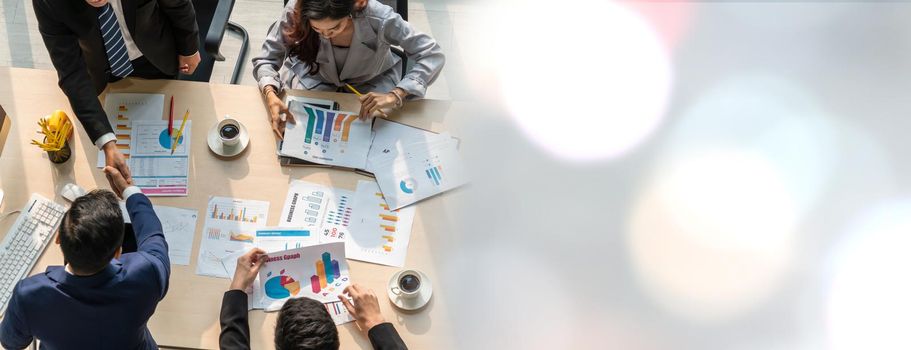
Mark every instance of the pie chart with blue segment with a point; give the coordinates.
(280, 287)
(165, 140)
(407, 186)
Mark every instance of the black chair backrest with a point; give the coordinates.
(205, 12)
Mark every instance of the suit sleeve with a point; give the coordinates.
(150, 239)
(384, 337)
(72, 74)
(421, 49)
(14, 330)
(235, 331)
(183, 23)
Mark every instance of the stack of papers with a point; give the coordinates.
(411, 164)
(142, 136)
(327, 137)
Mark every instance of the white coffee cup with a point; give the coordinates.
(408, 284)
(229, 132)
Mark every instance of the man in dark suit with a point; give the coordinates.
(303, 323)
(94, 42)
(100, 299)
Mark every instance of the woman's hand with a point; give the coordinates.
(375, 102)
(248, 266)
(278, 113)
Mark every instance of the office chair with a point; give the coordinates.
(400, 7)
(212, 17)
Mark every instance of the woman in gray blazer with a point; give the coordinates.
(325, 44)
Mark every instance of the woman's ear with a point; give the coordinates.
(117, 252)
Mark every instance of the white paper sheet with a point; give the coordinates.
(378, 235)
(155, 170)
(327, 137)
(123, 109)
(319, 272)
(419, 173)
(389, 138)
(179, 227)
(230, 227)
(305, 205)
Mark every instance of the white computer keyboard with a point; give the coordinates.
(25, 241)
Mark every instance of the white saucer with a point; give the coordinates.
(415, 303)
(217, 147)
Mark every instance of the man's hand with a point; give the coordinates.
(187, 64)
(113, 158)
(366, 308)
(278, 113)
(118, 182)
(248, 266)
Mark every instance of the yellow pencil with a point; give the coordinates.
(179, 132)
(353, 90)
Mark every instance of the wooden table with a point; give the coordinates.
(188, 316)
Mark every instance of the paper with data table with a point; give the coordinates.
(230, 227)
(319, 272)
(155, 170)
(420, 172)
(122, 110)
(390, 139)
(327, 137)
(326, 210)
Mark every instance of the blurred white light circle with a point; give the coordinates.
(711, 237)
(869, 305)
(605, 58)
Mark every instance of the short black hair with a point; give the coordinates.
(304, 324)
(91, 231)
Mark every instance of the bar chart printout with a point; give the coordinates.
(327, 137)
(319, 272)
(230, 226)
(378, 234)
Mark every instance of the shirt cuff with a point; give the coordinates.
(129, 191)
(104, 139)
(415, 88)
(266, 81)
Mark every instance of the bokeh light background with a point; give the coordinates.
(683, 175)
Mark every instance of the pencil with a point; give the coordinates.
(171, 118)
(353, 90)
(179, 132)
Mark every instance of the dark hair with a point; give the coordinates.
(304, 324)
(304, 40)
(91, 231)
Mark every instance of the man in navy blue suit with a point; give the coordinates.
(101, 299)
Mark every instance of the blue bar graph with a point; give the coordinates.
(319, 121)
(328, 133)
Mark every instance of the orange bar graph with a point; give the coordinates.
(122, 108)
(392, 218)
(384, 206)
(121, 117)
(387, 248)
(119, 146)
(123, 137)
(123, 127)
(347, 127)
(389, 238)
(388, 228)
(321, 272)
(338, 122)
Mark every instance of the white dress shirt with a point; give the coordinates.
(132, 51)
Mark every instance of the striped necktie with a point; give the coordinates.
(113, 42)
